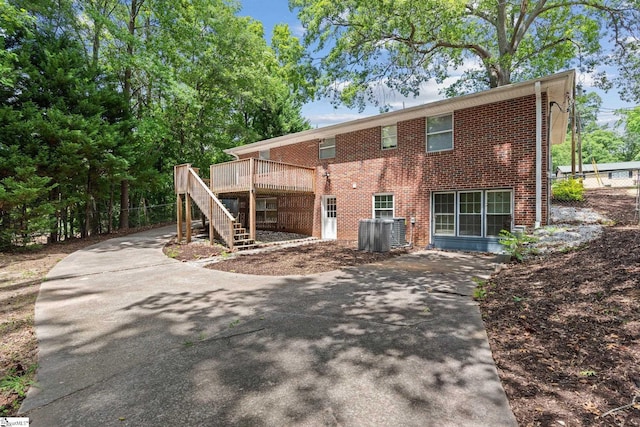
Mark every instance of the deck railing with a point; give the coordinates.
(242, 175)
(180, 178)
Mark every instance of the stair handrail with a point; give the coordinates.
(210, 193)
(214, 205)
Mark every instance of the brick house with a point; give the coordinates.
(457, 170)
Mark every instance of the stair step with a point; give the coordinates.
(244, 242)
(247, 247)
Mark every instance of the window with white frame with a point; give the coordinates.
(389, 137)
(444, 214)
(267, 210)
(499, 214)
(327, 148)
(383, 206)
(264, 154)
(440, 133)
(472, 213)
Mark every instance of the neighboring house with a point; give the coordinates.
(620, 174)
(457, 170)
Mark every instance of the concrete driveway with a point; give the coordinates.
(128, 337)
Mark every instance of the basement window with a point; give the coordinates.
(472, 213)
(267, 210)
(383, 206)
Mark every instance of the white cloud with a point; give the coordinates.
(297, 30)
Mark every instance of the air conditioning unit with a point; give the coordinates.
(374, 235)
(399, 232)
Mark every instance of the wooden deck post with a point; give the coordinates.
(252, 200)
(179, 215)
(211, 228)
(188, 215)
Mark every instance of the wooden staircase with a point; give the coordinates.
(241, 239)
(221, 222)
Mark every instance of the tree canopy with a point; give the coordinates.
(401, 44)
(601, 143)
(99, 99)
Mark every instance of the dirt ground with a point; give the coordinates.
(564, 329)
(306, 259)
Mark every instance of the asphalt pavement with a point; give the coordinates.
(129, 337)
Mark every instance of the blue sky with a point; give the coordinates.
(322, 113)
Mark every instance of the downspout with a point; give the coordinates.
(550, 171)
(538, 156)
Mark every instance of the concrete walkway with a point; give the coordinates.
(128, 337)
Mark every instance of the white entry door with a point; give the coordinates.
(329, 218)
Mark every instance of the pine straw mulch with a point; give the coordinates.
(565, 329)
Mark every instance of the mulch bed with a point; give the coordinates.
(565, 329)
(306, 259)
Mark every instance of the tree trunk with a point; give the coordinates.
(88, 214)
(54, 235)
(65, 222)
(128, 73)
(110, 210)
(124, 204)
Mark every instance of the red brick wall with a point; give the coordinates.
(494, 147)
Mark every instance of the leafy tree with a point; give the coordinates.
(401, 44)
(63, 119)
(588, 105)
(103, 97)
(626, 56)
(601, 144)
(631, 145)
(13, 21)
(24, 206)
(561, 154)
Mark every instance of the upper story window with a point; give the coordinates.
(264, 154)
(327, 148)
(440, 133)
(389, 137)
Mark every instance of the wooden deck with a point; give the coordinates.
(250, 176)
(262, 176)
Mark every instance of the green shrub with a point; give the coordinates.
(568, 190)
(517, 245)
